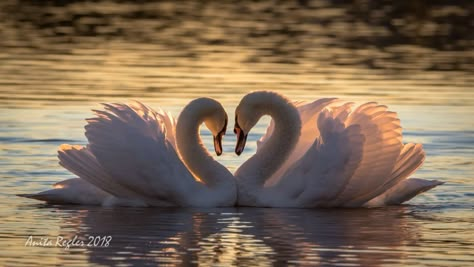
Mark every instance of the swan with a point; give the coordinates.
(325, 154)
(139, 157)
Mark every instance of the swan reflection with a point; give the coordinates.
(244, 236)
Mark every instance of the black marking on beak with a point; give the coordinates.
(236, 124)
(218, 139)
(241, 138)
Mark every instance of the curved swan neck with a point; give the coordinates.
(280, 144)
(190, 146)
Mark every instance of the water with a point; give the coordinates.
(59, 59)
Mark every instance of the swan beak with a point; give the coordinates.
(241, 140)
(218, 140)
(218, 144)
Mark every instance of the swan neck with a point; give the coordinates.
(280, 144)
(192, 150)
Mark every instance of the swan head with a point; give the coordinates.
(257, 104)
(216, 121)
(244, 122)
(203, 110)
(249, 111)
(217, 124)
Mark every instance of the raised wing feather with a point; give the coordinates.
(382, 147)
(135, 147)
(328, 164)
(410, 159)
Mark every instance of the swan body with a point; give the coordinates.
(325, 154)
(139, 157)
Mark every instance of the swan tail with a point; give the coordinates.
(135, 146)
(382, 147)
(71, 191)
(55, 196)
(403, 191)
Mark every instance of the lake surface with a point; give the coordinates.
(59, 59)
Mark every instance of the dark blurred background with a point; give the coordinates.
(47, 42)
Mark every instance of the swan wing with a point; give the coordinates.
(170, 125)
(309, 113)
(80, 161)
(399, 188)
(326, 167)
(134, 145)
(382, 147)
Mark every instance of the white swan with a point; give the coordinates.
(324, 154)
(132, 159)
